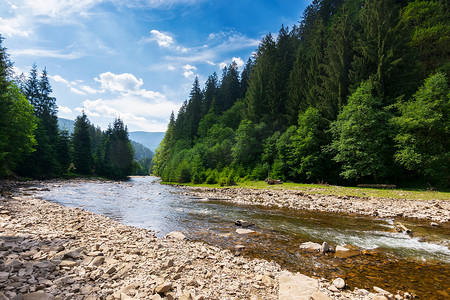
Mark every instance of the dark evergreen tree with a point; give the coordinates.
(229, 90)
(81, 140)
(210, 93)
(193, 111)
(63, 151)
(245, 77)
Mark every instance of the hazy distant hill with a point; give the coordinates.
(144, 143)
(67, 124)
(150, 140)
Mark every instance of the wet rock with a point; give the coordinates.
(324, 248)
(434, 224)
(339, 283)
(176, 235)
(343, 252)
(244, 231)
(243, 223)
(310, 247)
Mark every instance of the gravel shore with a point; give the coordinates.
(433, 210)
(48, 251)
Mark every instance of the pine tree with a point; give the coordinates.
(209, 93)
(81, 140)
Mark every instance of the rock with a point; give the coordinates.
(4, 276)
(155, 297)
(244, 231)
(339, 283)
(67, 263)
(434, 224)
(342, 252)
(45, 266)
(310, 247)
(163, 288)
(380, 297)
(176, 235)
(381, 291)
(243, 223)
(75, 253)
(325, 248)
(319, 296)
(97, 261)
(38, 296)
(297, 287)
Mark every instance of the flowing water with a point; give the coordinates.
(391, 260)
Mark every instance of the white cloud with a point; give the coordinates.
(239, 62)
(46, 53)
(136, 112)
(189, 70)
(58, 78)
(77, 91)
(90, 90)
(222, 65)
(124, 83)
(164, 40)
(64, 110)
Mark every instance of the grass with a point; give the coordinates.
(409, 194)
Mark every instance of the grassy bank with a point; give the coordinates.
(409, 194)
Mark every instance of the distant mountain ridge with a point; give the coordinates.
(144, 143)
(150, 140)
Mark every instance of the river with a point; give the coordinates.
(394, 261)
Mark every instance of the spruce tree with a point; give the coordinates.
(81, 141)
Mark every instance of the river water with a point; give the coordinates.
(392, 260)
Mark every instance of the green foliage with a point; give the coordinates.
(361, 135)
(347, 64)
(424, 129)
(81, 141)
(17, 126)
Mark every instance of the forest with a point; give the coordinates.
(33, 146)
(357, 92)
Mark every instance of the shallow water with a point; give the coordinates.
(418, 264)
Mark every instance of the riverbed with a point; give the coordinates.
(392, 260)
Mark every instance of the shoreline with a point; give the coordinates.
(49, 251)
(436, 211)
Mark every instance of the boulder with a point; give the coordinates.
(325, 248)
(319, 296)
(343, 252)
(38, 296)
(244, 231)
(163, 288)
(176, 235)
(297, 287)
(310, 247)
(339, 283)
(243, 223)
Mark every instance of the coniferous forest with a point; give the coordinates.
(32, 145)
(356, 93)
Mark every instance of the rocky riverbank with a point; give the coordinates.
(435, 210)
(48, 251)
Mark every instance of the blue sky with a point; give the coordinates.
(135, 59)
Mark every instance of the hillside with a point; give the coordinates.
(150, 140)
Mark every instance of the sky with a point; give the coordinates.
(135, 59)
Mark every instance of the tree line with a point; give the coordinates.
(32, 145)
(356, 92)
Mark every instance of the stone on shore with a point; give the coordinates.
(339, 283)
(297, 287)
(176, 235)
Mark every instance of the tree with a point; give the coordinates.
(309, 159)
(17, 123)
(248, 147)
(17, 128)
(63, 151)
(81, 140)
(361, 135)
(422, 141)
(118, 151)
(429, 28)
